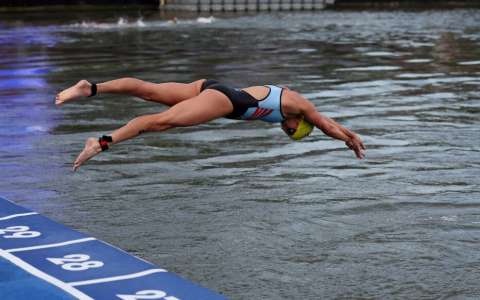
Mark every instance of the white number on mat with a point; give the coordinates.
(76, 262)
(18, 232)
(148, 294)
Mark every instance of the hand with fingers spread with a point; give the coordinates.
(356, 145)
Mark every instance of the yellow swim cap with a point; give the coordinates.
(304, 128)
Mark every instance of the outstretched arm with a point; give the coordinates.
(334, 130)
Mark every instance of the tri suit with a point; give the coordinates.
(247, 107)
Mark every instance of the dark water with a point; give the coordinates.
(236, 206)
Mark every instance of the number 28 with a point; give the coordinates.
(76, 262)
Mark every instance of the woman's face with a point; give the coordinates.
(290, 125)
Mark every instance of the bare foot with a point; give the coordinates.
(81, 89)
(92, 148)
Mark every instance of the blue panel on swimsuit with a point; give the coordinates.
(269, 109)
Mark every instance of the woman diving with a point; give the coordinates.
(205, 100)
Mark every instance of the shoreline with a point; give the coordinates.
(403, 4)
(85, 6)
(77, 7)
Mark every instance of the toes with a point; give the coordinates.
(58, 101)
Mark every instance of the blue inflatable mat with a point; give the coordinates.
(41, 259)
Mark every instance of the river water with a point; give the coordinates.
(236, 206)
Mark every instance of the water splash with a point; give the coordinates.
(36, 128)
(121, 23)
(208, 20)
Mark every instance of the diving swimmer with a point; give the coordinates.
(205, 100)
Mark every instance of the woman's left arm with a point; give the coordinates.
(334, 130)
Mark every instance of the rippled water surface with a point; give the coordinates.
(236, 206)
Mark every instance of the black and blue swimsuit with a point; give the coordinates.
(247, 107)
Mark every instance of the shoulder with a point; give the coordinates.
(296, 102)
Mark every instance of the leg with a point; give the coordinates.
(169, 93)
(207, 106)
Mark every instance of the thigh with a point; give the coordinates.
(207, 106)
(171, 93)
